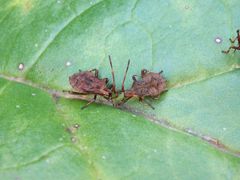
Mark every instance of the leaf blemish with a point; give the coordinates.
(103, 157)
(68, 63)
(186, 7)
(74, 139)
(73, 129)
(76, 126)
(55, 97)
(218, 40)
(21, 67)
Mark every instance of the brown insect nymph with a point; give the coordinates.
(233, 41)
(87, 82)
(150, 85)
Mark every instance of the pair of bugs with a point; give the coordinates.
(150, 84)
(88, 82)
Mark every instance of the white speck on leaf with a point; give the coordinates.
(68, 63)
(21, 66)
(218, 40)
(76, 125)
(103, 157)
(17, 106)
(73, 139)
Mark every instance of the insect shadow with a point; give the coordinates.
(88, 82)
(150, 84)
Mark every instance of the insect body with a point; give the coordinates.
(87, 82)
(233, 41)
(150, 85)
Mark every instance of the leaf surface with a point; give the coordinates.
(196, 121)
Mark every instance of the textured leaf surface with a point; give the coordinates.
(53, 39)
(109, 144)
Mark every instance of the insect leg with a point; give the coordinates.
(165, 90)
(238, 37)
(90, 102)
(124, 78)
(141, 99)
(96, 72)
(235, 48)
(124, 100)
(231, 47)
(232, 40)
(109, 98)
(134, 77)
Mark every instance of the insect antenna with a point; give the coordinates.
(113, 77)
(125, 76)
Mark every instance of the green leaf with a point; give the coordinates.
(192, 133)
(38, 140)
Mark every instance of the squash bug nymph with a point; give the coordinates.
(150, 84)
(88, 82)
